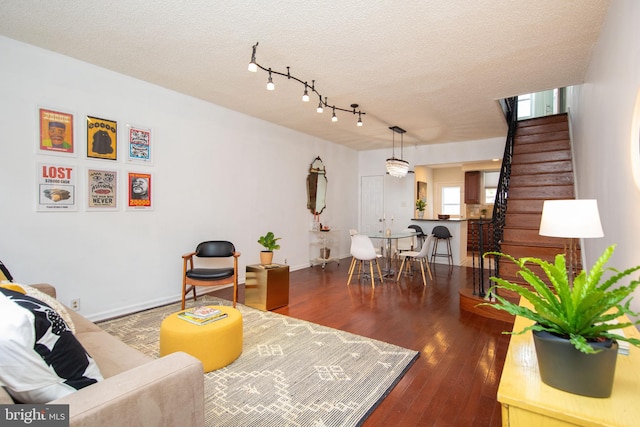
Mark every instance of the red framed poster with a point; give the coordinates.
(139, 190)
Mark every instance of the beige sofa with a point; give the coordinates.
(137, 390)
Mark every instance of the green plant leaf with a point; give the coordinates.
(583, 310)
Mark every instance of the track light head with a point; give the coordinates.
(253, 67)
(270, 85)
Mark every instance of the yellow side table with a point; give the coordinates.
(216, 344)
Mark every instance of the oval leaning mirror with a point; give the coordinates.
(316, 187)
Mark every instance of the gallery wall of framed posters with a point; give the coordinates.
(66, 185)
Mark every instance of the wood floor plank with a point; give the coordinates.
(454, 381)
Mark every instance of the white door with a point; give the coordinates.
(371, 203)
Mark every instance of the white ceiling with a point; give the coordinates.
(433, 67)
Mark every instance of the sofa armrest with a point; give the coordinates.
(164, 392)
(46, 288)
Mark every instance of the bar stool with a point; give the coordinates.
(420, 235)
(441, 232)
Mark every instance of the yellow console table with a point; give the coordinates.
(526, 401)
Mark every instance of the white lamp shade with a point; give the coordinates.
(571, 219)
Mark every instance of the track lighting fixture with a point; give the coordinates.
(397, 167)
(254, 66)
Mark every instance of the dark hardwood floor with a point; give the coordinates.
(454, 381)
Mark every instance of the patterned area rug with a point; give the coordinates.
(291, 372)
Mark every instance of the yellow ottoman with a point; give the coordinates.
(216, 344)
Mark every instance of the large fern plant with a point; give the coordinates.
(583, 312)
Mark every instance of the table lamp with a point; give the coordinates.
(571, 219)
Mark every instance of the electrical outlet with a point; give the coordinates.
(75, 304)
(285, 261)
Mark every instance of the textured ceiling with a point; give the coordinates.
(433, 67)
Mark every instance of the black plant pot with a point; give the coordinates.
(564, 367)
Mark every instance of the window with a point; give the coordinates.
(490, 180)
(525, 105)
(451, 200)
(490, 195)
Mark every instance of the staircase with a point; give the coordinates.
(541, 170)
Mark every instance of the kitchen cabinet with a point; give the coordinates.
(472, 181)
(473, 234)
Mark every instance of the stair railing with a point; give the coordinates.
(495, 230)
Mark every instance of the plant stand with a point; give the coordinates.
(527, 401)
(266, 287)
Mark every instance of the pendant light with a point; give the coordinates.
(397, 167)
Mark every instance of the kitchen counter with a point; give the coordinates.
(458, 229)
(438, 219)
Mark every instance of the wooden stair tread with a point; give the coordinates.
(537, 121)
(556, 145)
(544, 167)
(533, 180)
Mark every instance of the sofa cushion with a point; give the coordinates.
(47, 299)
(40, 359)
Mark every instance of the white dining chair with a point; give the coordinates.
(405, 243)
(362, 251)
(422, 257)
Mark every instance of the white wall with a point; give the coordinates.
(401, 193)
(218, 174)
(601, 121)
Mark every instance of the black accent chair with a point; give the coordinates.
(193, 276)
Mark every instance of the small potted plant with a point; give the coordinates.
(574, 329)
(269, 242)
(420, 206)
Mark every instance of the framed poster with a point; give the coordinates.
(139, 190)
(139, 144)
(422, 191)
(102, 138)
(56, 188)
(56, 132)
(102, 186)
